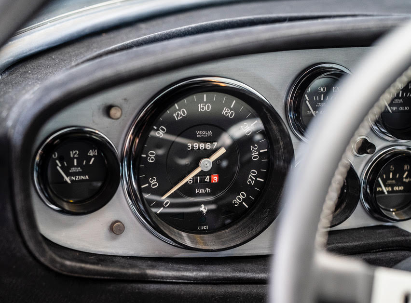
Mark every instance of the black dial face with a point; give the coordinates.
(396, 118)
(393, 185)
(77, 171)
(317, 95)
(204, 163)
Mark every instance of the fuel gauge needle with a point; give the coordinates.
(383, 187)
(215, 156)
(64, 175)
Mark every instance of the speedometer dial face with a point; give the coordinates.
(184, 138)
(210, 159)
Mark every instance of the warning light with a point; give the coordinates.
(215, 178)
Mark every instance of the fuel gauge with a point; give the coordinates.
(77, 171)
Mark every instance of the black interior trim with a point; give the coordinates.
(29, 115)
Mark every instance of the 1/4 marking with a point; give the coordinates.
(147, 195)
(152, 204)
(259, 179)
(248, 115)
(91, 162)
(257, 189)
(241, 109)
(251, 197)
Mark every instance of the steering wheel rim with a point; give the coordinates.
(298, 266)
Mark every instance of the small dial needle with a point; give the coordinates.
(215, 156)
(387, 106)
(308, 104)
(383, 187)
(64, 175)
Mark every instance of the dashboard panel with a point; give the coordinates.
(270, 75)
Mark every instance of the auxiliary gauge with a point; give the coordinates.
(394, 123)
(386, 185)
(77, 171)
(205, 164)
(310, 93)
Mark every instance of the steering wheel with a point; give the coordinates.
(302, 270)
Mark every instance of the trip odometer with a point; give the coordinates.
(206, 170)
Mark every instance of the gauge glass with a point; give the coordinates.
(396, 118)
(76, 171)
(321, 91)
(393, 185)
(185, 138)
(311, 91)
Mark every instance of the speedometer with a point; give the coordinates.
(205, 164)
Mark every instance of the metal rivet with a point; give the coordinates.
(115, 112)
(117, 227)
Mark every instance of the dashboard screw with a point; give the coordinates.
(115, 112)
(117, 227)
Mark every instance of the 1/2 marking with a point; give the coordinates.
(245, 205)
(160, 210)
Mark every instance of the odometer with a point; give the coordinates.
(205, 161)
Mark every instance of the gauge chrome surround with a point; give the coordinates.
(299, 87)
(265, 209)
(367, 194)
(103, 195)
(378, 128)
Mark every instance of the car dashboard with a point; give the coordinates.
(155, 147)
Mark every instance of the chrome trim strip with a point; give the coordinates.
(79, 23)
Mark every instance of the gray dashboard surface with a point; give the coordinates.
(270, 74)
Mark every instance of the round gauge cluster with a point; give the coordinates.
(77, 171)
(206, 169)
(395, 121)
(386, 186)
(310, 93)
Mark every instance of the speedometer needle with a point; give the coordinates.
(215, 156)
(64, 175)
